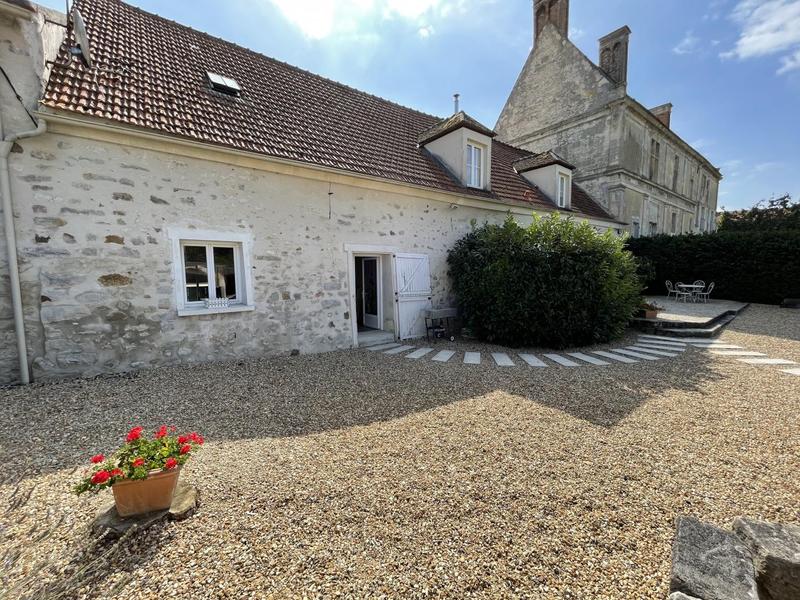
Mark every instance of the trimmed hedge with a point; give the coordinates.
(747, 266)
(555, 283)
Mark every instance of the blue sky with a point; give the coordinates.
(730, 67)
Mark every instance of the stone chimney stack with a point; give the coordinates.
(663, 113)
(550, 11)
(614, 54)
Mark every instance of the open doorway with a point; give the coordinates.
(374, 314)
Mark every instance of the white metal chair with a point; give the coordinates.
(696, 291)
(670, 289)
(705, 296)
(681, 294)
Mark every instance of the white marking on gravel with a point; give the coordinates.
(792, 371)
(382, 347)
(419, 353)
(635, 354)
(766, 361)
(650, 351)
(443, 355)
(472, 358)
(661, 347)
(399, 350)
(589, 359)
(737, 353)
(502, 359)
(532, 360)
(562, 360)
(617, 357)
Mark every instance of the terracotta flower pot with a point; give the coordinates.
(650, 314)
(139, 496)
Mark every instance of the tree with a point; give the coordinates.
(767, 215)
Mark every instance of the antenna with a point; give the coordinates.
(83, 49)
(455, 102)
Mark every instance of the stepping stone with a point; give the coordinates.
(502, 359)
(472, 358)
(562, 360)
(717, 346)
(382, 347)
(737, 353)
(669, 340)
(660, 347)
(399, 350)
(419, 353)
(766, 361)
(532, 360)
(589, 359)
(443, 355)
(635, 354)
(617, 357)
(792, 371)
(657, 343)
(650, 351)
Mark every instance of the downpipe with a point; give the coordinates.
(6, 144)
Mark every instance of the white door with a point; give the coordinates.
(371, 290)
(413, 275)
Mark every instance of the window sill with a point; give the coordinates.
(192, 312)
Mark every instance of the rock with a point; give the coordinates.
(681, 596)
(776, 555)
(710, 563)
(184, 504)
(790, 303)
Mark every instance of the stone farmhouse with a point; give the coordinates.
(169, 197)
(625, 155)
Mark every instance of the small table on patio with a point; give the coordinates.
(692, 288)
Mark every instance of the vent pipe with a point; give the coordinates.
(455, 103)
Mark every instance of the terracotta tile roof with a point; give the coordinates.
(537, 161)
(445, 126)
(152, 73)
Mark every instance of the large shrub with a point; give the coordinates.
(749, 266)
(555, 283)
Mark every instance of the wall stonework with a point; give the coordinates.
(96, 262)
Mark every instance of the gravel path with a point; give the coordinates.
(356, 474)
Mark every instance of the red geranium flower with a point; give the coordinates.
(98, 458)
(134, 434)
(182, 439)
(170, 463)
(186, 449)
(162, 432)
(138, 462)
(196, 438)
(101, 477)
(117, 473)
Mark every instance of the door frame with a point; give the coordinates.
(353, 250)
(378, 288)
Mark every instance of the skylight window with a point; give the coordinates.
(226, 85)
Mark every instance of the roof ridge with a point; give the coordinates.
(269, 58)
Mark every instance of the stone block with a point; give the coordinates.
(776, 555)
(710, 563)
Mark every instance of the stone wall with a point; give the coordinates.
(96, 263)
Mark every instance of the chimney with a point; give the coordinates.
(550, 11)
(663, 113)
(455, 102)
(614, 54)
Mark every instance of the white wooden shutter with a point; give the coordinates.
(413, 285)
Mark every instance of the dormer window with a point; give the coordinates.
(474, 165)
(563, 187)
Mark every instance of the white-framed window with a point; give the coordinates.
(563, 190)
(211, 271)
(474, 165)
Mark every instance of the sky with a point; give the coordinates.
(731, 68)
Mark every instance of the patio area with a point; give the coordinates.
(362, 474)
(694, 312)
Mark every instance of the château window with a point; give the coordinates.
(474, 166)
(211, 272)
(674, 223)
(563, 187)
(655, 154)
(675, 169)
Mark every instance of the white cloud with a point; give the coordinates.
(768, 27)
(319, 19)
(576, 33)
(688, 44)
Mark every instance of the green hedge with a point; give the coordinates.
(746, 266)
(555, 283)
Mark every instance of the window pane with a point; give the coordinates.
(196, 269)
(224, 273)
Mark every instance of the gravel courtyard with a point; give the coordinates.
(355, 474)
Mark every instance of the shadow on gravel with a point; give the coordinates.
(47, 427)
